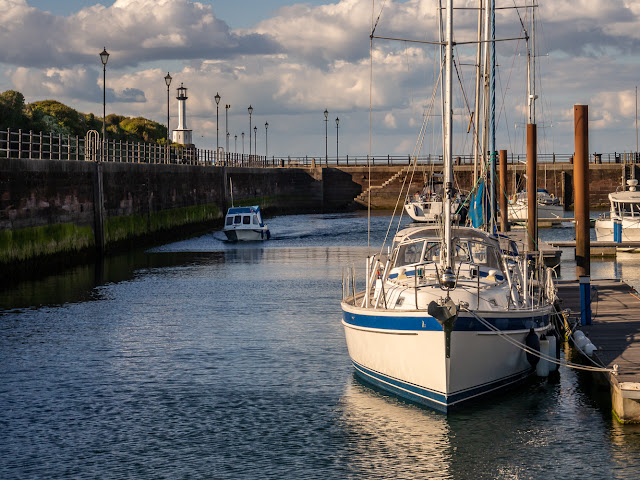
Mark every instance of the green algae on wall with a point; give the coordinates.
(28, 243)
(131, 226)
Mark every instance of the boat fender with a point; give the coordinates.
(554, 333)
(589, 349)
(533, 342)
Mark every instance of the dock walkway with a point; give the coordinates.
(615, 331)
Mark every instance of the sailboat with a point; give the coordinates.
(449, 314)
(426, 206)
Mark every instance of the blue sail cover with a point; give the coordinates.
(475, 207)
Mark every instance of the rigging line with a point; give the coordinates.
(536, 353)
(396, 39)
(417, 147)
(374, 26)
(519, 16)
(506, 123)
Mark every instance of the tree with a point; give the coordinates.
(12, 111)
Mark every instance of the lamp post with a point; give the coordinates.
(167, 80)
(235, 150)
(226, 124)
(104, 58)
(326, 151)
(243, 144)
(337, 134)
(250, 112)
(217, 97)
(266, 139)
(255, 140)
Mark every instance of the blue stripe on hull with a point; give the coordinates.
(430, 398)
(427, 323)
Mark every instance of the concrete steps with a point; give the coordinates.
(362, 199)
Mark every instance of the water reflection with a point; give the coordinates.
(393, 439)
(77, 284)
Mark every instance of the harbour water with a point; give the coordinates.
(202, 359)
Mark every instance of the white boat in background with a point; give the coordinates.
(549, 206)
(624, 214)
(446, 316)
(426, 206)
(245, 224)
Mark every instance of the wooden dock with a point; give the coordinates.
(615, 331)
(600, 248)
(550, 254)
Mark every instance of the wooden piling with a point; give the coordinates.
(581, 188)
(532, 187)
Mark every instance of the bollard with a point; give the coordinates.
(585, 299)
(617, 230)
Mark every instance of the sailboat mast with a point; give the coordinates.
(448, 166)
(492, 120)
(442, 57)
(531, 68)
(485, 103)
(476, 119)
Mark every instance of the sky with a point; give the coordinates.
(290, 61)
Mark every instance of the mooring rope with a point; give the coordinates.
(541, 355)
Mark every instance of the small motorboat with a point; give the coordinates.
(245, 224)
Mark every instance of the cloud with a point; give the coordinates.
(134, 31)
(390, 120)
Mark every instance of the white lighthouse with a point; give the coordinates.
(182, 134)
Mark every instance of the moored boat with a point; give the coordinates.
(426, 206)
(549, 206)
(448, 315)
(441, 336)
(622, 222)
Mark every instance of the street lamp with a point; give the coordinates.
(235, 150)
(217, 98)
(337, 132)
(326, 151)
(250, 112)
(167, 80)
(243, 144)
(104, 58)
(255, 140)
(226, 123)
(266, 139)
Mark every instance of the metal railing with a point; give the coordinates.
(49, 146)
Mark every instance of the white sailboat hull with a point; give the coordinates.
(518, 212)
(412, 363)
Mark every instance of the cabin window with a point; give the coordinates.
(484, 255)
(246, 220)
(237, 219)
(255, 220)
(432, 252)
(409, 253)
(229, 220)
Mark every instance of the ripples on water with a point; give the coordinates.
(201, 359)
